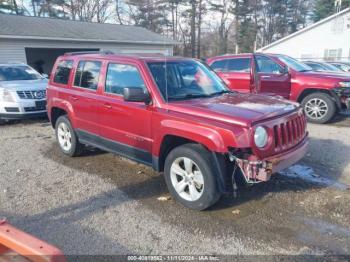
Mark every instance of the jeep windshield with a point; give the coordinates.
(294, 64)
(180, 80)
(18, 72)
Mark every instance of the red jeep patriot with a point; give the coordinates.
(321, 94)
(175, 115)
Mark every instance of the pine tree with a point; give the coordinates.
(325, 8)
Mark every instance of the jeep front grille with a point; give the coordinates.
(290, 133)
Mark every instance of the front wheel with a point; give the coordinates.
(190, 176)
(319, 108)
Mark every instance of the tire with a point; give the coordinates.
(66, 133)
(192, 195)
(325, 108)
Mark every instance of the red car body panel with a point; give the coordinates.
(289, 86)
(218, 123)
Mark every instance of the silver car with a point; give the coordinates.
(22, 92)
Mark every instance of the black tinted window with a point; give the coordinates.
(219, 65)
(87, 74)
(63, 71)
(266, 65)
(239, 65)
(120, 76)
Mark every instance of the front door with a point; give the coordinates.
(274, 78)
(125, 127)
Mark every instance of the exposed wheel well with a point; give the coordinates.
(168, 144)
(55, 114)
(309, 91)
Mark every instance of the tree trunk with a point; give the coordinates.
(199, 29)
(15, 6)
(193, 28)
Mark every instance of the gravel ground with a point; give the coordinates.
(102, 204)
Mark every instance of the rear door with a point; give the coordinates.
(235, 72)
(274, 78)
(83, 96)
(125, 127)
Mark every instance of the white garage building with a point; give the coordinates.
(328, 39)
(39, 41)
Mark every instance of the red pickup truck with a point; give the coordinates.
(175, 115)
(321, 94)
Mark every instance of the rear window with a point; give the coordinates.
(87, 74)
(239, 65)
(219, 65)
(63, 71)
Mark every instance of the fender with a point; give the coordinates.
(309, 90)
(214, 139)
(64, 105)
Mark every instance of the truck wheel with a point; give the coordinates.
(319, 108)
(66, 137)
(190, 177)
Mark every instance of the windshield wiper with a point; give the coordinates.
(187, 96)
(221, 92)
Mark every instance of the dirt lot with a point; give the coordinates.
(101, 204)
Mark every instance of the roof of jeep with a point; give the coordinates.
(138, 57)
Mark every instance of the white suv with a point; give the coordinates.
(22, 92)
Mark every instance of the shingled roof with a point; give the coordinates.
(26, 27)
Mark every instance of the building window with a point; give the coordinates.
(333, 54)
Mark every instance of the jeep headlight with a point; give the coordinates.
(6, 96)
(260, 137)
(344, 84)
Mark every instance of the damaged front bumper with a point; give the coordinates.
(343, 93)
(255, 170)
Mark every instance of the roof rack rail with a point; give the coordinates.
(90, 53)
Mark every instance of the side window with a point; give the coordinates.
(87, 74)
(63, 71)
(316, 67)
(120, 76)
(239, 65)
(266, 65)
(219, 66)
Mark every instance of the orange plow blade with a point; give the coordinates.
(16, 245)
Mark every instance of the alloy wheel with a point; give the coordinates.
(316, 108)
(64, 136)
(187, 179)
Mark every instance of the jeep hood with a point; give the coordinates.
(329, 75)
(25, 85)
(236, 108)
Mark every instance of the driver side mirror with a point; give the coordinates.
(284, 70)
(136, 94)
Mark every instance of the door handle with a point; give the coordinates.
(74, 98)
(108, 106)
(265, 76)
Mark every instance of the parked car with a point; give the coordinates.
(22, 92)
(321, 94)
(345, 66)
(323, 67)
(176, 115)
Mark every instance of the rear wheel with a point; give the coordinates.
(319, 108)
(67, 138)
(190, 177)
